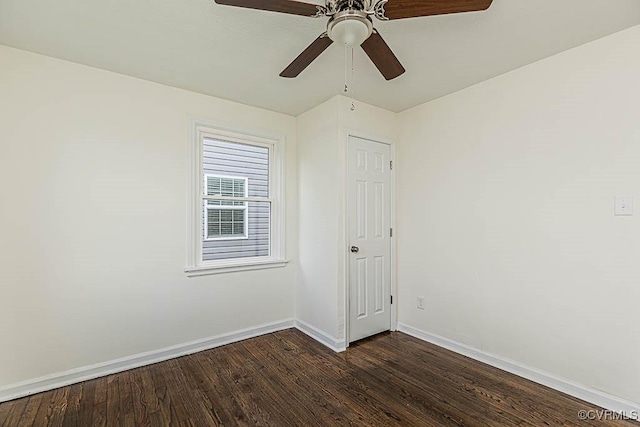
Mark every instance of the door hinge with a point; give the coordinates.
(391, 299)
(391, 164)
(391, 232)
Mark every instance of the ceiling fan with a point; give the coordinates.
(350, 23)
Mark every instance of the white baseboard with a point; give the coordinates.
(320, 336)
(588, 394)
(61, 379)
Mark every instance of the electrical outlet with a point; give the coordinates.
(421, 303)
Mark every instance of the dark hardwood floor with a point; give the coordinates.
(288, 379)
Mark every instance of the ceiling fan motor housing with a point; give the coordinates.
(350, 27)
(341, 5)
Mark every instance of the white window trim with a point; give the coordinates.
(245, 208)
(199, 129)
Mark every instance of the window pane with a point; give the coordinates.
(213, 186)
(226, 228)
(238, 187)
(238, 228)
(232, 159)
(213, 223)
(223, 223)
(257, 242)
(227, 187)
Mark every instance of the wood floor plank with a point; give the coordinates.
(114, 412)
(31, 410)
(72, 409)
(166, 412)
(99, 413)
(126, 398)
(42, 414)
(85, 409)
(58, 407)
(142, 396)
(4, 411)
(12, 414)
(288, 379)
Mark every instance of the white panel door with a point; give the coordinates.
(369, 212)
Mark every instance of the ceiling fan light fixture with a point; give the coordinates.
(350, 28)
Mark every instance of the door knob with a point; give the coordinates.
(355, 249)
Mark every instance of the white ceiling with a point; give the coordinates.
(237, 54)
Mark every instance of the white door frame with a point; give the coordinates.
(346, 254)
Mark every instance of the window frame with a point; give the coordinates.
(275, 142)
(206, 207)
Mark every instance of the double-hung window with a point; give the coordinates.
(235, 205)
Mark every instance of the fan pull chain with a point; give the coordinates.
(346, 74)
(353, 105)
(346, 65)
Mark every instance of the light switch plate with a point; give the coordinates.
(624, 205)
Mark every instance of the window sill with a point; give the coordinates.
(233, 266)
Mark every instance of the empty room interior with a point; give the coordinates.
(319, 213)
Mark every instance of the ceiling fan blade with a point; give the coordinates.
(399, 9)
(382, 57)
(282, 6)
(307, 56)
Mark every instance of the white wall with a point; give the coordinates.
(316, 294)
(92, 220)
(322, 149)
(506, 221)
